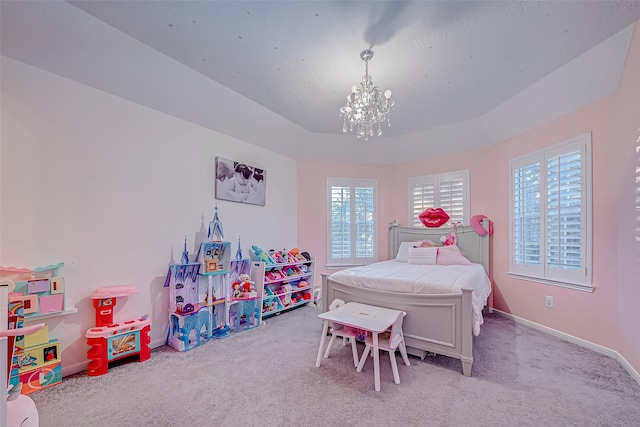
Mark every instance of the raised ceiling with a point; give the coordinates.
(463, 74)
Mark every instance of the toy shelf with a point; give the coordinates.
(216, 302)
(215, 273)
(52, 314)
(298, 289)
(49, 267)
(283, 293)
(41, 289)
(287, 279)
(287, 264)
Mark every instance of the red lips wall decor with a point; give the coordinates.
(433, 217)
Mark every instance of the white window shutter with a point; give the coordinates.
(340, 225)
(351, 222)
(449, 191)
(422, 196)
(452, 196)
(550, 214)
(566, 214)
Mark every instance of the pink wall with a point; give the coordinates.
(312, 204)
(609, 315)
(627, 208)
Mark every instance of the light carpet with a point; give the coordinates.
(267, 377)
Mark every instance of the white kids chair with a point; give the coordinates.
(347, 333)
(389, 341)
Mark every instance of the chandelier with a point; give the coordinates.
(366, 106)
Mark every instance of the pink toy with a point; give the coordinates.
(449, 239)
(21, 410)
(476, 224)
(112, 341)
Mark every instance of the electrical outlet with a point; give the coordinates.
(549, 301)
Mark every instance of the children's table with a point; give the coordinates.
(360, 316)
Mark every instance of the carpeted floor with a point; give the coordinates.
(267, 376)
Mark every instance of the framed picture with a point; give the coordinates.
(239, 182)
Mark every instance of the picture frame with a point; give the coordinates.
(240, 182)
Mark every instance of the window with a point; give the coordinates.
(449, 191)
(352, 221)
(551, 214)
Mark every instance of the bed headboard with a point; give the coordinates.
(475, 247)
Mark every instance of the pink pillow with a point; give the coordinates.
(451, 255)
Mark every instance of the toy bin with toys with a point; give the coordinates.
(288, 279)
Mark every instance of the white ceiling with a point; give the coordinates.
(275, 73)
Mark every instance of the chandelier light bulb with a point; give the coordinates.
(367, 106)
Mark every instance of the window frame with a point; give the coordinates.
(352, 183)
(413, 221)
(581, 278)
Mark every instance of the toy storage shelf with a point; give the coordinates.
(215, 273)
(51, 315)
(277, 296)
(41, 288)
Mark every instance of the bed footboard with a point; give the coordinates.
(438, 323)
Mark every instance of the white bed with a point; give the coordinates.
(443, 303)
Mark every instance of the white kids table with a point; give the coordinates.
(360, 316)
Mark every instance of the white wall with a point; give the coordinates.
(111, 188)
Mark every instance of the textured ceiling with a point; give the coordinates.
(289, 65)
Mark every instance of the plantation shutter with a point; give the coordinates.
(422, 196)
(365, 226)
(447, 191)
(563, 211)
(452, 196)
(566, 213)
(352, 222)
(527, 214)
(549, 214)
(340, 222)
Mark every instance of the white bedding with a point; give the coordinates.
(395, 276)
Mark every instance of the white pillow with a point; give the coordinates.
(423, 256)
(403, 250)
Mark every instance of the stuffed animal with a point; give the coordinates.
(277, 257)
(295, 297)
(273, 275)
(262, 255)
(286, 294)
(449, 239)
(296, 253)
(237, 290)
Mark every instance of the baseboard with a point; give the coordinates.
(575, 340)
(82, 366)
(73, 369)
